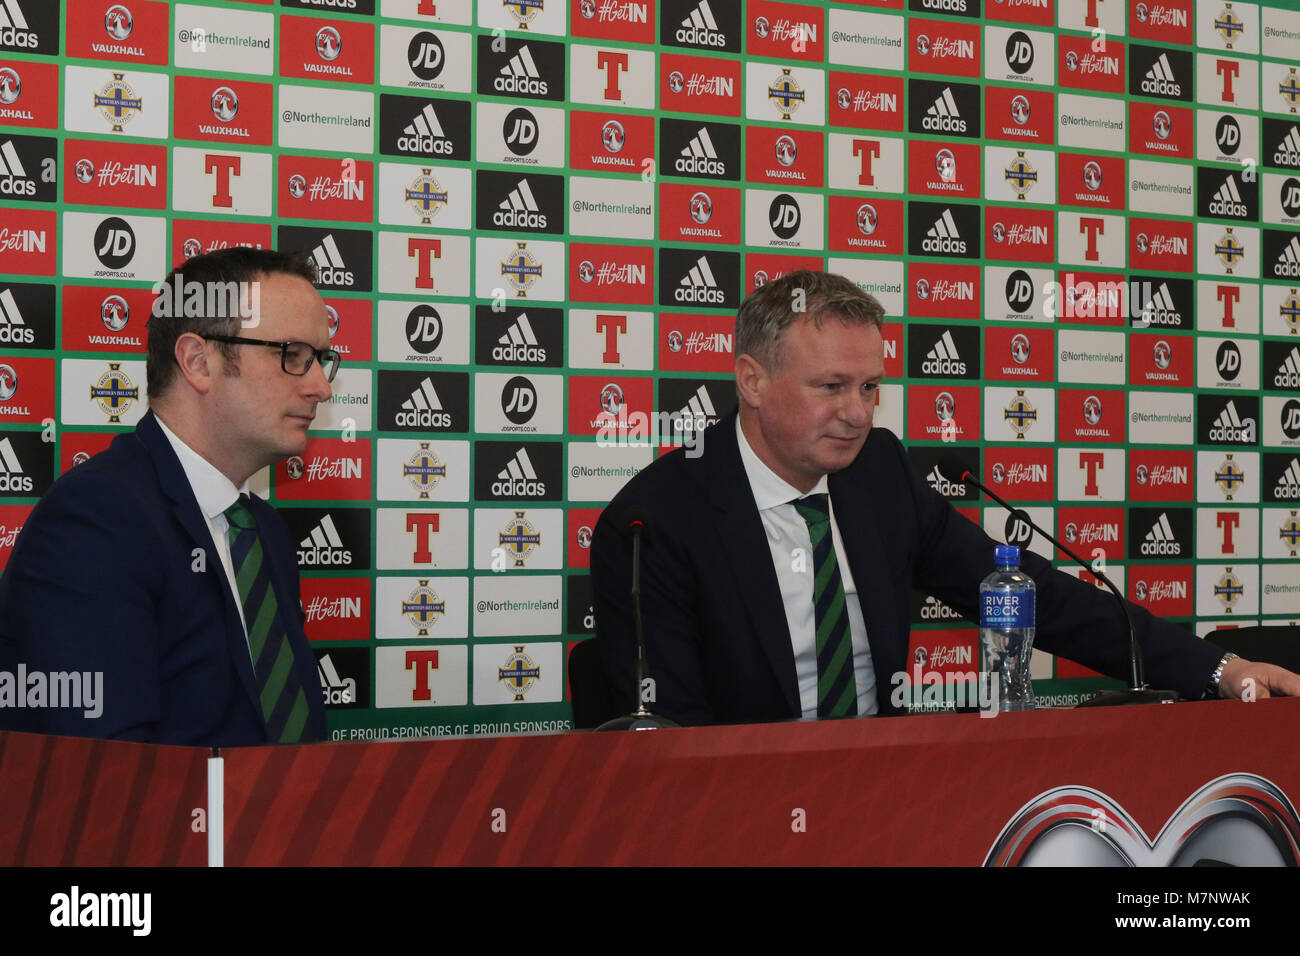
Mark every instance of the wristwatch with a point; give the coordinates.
(1212, 687)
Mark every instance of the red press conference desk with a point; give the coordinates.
(938, 789)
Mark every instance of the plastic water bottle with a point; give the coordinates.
(1007, 622)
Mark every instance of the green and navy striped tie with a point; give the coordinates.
(837, 690)
(284, 703)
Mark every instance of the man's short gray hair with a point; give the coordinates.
(774, 306)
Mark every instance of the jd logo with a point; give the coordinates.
(784, 216)
(520, 131)
(519, 400)
(114, 242)
(1020, 290)
(425, 54)
(1020, 52)
(424, 329)
(1227, 134)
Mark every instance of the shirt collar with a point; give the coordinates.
(770, 489)
(213, 490)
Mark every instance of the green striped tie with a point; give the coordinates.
(837, 690)
(284, 703)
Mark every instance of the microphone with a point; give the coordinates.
(1138, 692)
(636, 523)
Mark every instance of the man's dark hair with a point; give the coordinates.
(221, 275)
(774, 306)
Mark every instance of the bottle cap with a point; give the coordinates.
(1006, 554)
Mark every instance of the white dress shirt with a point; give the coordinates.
(214, 493)
(787, 539)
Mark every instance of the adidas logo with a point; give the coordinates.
(13, 177)
(1288, 373)
(943, 236)
(12, 478)
(1160, 539)
(11, 21)
(518, 479)
(323, 546)
(1288, 260)
(698, 413)
(943, 358)
(424, 134)
(700, 158)
(335, 688)
(1160, 309)
(699, 286)
(519, 343)
(949, 489)
(1230, 427)
(520, 75)
(699, 27)
(519, 210)
(1288, 486)
(12, 327)
(330, 267)
(1227, 201)
(943, 116)
(1288, 151)
(11, 15)
(423, 409)
(1160, 79)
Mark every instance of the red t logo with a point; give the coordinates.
(422, 525)
(223, 166)
(1090, 461)
(867, 149)
(612, 326)
(422, 662)
(425, 251)
(613, 64)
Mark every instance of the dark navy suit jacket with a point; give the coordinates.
(718, 644)
(116, 571)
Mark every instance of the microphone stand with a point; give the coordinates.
(1137, 692)
(641, 718)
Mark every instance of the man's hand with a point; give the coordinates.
(1249, 680)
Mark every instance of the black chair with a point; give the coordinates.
(593, 699)
(1271, 643)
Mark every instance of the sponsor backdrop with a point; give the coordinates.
(534, 220)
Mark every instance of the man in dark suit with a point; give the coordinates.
(150, 564)
(781, 558)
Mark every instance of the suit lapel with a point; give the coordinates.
(185, 507)
(750, 559)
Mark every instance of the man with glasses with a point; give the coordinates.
(149, 571)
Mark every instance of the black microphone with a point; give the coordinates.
(636, 522)
(950, 464)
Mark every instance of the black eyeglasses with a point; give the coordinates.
(295, 357)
